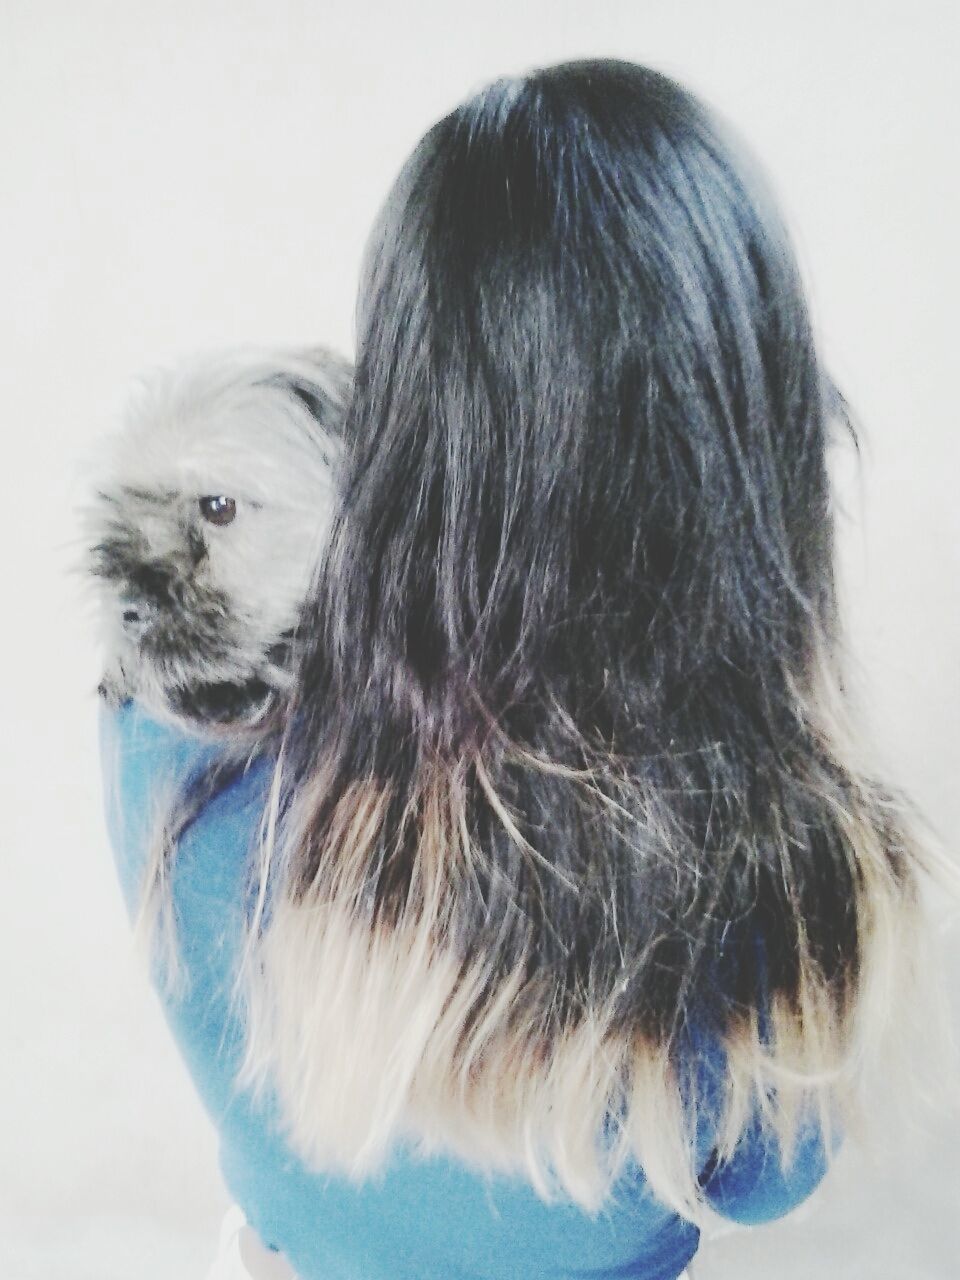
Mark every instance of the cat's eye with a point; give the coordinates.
(218, 509)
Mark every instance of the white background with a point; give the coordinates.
(175, 175)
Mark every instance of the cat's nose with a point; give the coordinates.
(154, 583)
(136, 617)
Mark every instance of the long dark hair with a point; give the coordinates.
(569, 784)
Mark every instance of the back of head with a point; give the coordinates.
(571, 753)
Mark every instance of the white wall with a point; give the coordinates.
(181, 174)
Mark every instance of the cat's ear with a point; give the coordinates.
(323, 381)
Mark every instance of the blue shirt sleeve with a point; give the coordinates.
(759, 1181)
(758, 1184)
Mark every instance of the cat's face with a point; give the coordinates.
(208, 527)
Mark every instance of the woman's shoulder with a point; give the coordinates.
(151, 769)
(137, 749)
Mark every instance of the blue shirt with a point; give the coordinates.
(420, 1218)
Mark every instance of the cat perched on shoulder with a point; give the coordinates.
(210, 515)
